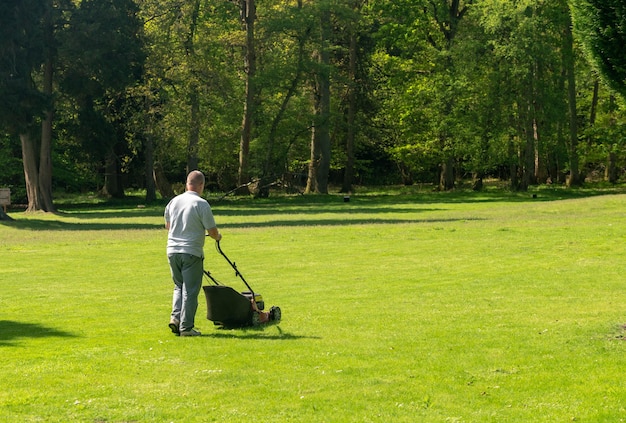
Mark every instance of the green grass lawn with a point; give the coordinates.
(433, 307)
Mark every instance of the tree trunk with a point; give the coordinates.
(193, 96)
(568, 59)
(149, 153)
(541, 159)
(45, 163)
(271, 165)
(248, 17)
(319, 166)
(528, 172)
(513, 167)
(37, 157)
(448, 25)
(31, 172)
(45, 152)
(349, 171)
(149, 168)
(194, 129)
(446, 176)
(161, 182)
(594, 105)
(528, 154)
(610, 173)
(112, 182)
(311, 181)
(477, 181)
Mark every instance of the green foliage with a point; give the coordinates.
(21, 51)
(601, 25)
(472, 83)
(417, 159)
(197, 54)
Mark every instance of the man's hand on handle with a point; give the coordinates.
(215, 234)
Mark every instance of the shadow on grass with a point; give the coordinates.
(11, 330)
(59, 225)
(256, 334)
(340, 222)
(379, 207)
(55, 225)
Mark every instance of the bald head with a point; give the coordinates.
(195, 181)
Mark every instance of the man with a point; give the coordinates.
(188, 219)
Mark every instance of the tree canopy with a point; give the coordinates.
(307, 95)
(601, 25)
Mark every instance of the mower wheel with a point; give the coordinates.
(256, 319)
(275, 313)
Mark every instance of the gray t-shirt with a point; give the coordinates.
(190, 216)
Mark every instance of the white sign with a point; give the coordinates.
(5, 196)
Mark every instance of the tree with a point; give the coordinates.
(534, 57)
(248, 18)
(569, 70)
(419, 42)
(23, 104)
(285, 35)
(103, 49)
(353, 85)
(601, 26)
(319, 164)
(194, 95)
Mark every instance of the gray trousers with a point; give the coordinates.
(187, 275)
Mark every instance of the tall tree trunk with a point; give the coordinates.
(161, 182)
(45, 163)
(319, 166)
(610, 172)
(194, 129)
(528, 172)
(594, 105)
(270, 166)
(448, 24)
(194, 97)
(149, 169)
(248, 17)
(311, 181)
(348, 175)
(31, 172)
(514, 164)
(541, 165)
(568, 59)
(36, 156)
(446, 175)
(45, 152)
(527, 115)
(112, 182)
(149, 153)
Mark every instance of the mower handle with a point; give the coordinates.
(234, 266)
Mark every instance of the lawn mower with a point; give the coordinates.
(227, 307)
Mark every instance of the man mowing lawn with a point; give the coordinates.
(188, 217)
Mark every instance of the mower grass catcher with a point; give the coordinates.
(229, 308)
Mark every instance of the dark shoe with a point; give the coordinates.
(174, 326)
(190, 332)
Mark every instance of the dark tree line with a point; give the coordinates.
(113, 94)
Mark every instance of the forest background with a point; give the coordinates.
(107, 95)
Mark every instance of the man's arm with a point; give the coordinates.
(214, 233)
